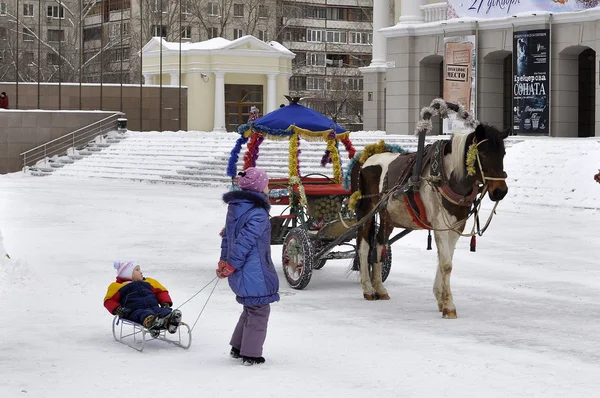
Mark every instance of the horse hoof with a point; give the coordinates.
(449, 314)
(383, 296)
(440, 307)
(369, 296)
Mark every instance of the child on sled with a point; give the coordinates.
(141, 300)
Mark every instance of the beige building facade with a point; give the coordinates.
(224, 78)
(408, 58)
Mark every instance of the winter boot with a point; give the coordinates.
(249, 361)
(173, 321)
(234, 353)
(153, 324)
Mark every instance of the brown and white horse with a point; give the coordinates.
(440, 202)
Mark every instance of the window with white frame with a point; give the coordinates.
(314, 35)
(28, 10)
(263, 11)
(238, 10)
(212, 8)
(3, 9)
(315, 59)
(28, 34)
(186, 7)
(315, 83)
(113, 31)
(56, 12)
(355, 84)
(156, 6)
(159, 31)
(336, 37)
(361, 38)
(262, 35)
(212, 33)
(237, 33)
(125, 28)
(56, 35)
(186, 32)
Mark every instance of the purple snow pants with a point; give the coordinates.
(251, 330)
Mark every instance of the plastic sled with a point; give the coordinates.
(134, 335)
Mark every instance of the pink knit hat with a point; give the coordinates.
(253, 179)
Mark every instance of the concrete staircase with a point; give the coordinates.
(196, 158)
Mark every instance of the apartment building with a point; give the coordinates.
(34, 37)
(331, 40)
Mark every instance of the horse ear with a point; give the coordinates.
(480, 132)
(506, 133)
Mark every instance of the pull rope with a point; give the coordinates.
(205, 303)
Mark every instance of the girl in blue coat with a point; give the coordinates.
(246, 261)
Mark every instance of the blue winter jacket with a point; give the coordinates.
(246, 246)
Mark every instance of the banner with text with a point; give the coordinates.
(507, 8)
(531, 81)
(459, 75)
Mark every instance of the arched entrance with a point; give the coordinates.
(495, 92)
(431, 84)
(574, 109)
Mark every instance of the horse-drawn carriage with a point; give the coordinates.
(438, 188)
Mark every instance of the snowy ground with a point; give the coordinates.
(527, 303)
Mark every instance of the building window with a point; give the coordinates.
(186, 7)
(315, 12)
(238, 10)
(237, 33)
(262, 35)
(52, 59)
(263, 11)
(3, 9)
(212, 8)
(27, 58)
(315, 59)
(94, 33)
(361, 38)
(336, 37)
(212, 33)
(355, 84)
(156, 6)
(159, 31)
(125, 28)
(298, 83)
(28, 34)
(2, 33)
(315, 83)
(56, 35)
(28, 10)
(314, 35)
(336, 14)
(56, 12)
(186, 32)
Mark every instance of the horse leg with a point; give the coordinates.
(446, 243)
(381, 245)
(363, 256)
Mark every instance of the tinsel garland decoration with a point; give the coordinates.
(472, 154)
(349, 147)
(335, 157)
(366, 153)
(296, 181)
(354, 199)
(293, 158)
(234, 156)
(298, 153)
(251, 154)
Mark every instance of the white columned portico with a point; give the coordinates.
(148, 79)
(410, 11)
(174, 79)
(381, 14)
(219, 121)
(271, 93)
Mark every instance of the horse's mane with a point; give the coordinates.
(456, 160)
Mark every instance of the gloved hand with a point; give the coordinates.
(121, 312)
(166, 305)
(224, 269)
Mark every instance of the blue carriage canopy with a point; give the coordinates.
(292, 122)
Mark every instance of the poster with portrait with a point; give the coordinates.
(531, 82)
(460, 62)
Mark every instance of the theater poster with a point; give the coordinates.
(507, 8)
(531, 82)
(460, 63)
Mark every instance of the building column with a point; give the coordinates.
(271, 93)
(410, 11)
(381, 14)
(148, 79)
(219, 121)
(174, 79)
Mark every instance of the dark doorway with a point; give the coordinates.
(238, 101)
(587, 93)
(508, 92)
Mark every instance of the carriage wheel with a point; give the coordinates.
(319, 263)
(297, 258)
(386, 266)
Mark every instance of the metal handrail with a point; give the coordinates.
(68, 140)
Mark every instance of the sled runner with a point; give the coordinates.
(134, 335)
